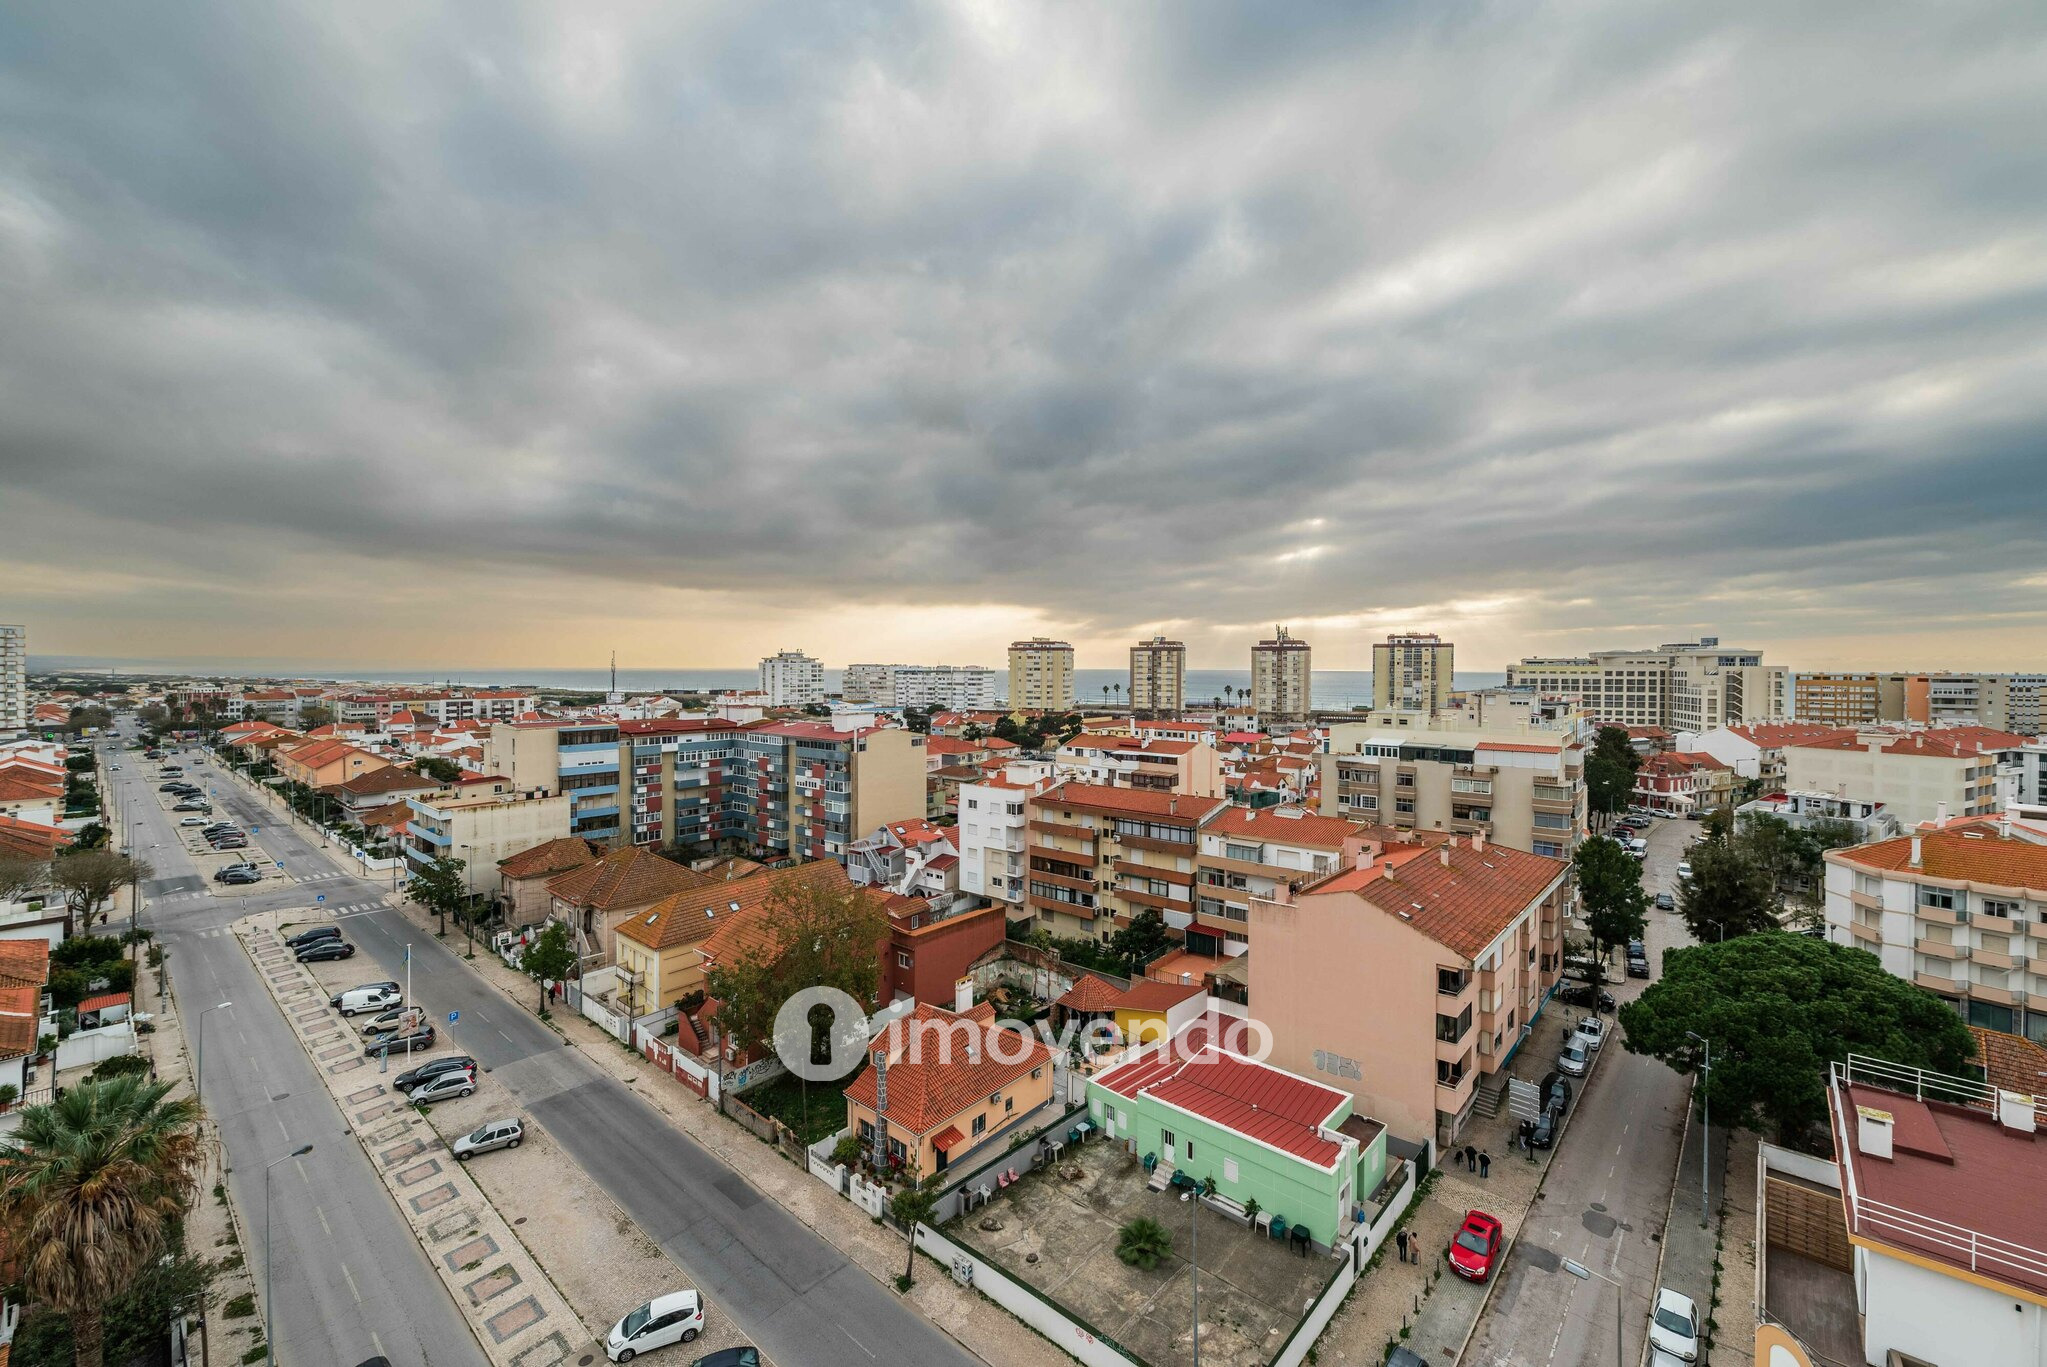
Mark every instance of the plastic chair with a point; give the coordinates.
(1151, 1160)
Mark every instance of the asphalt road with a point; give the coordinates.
(794, 1295)
(1606, 1195)
(350, 1280)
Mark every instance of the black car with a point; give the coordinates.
(1586, 995)
(238, 876)
(169, 787)
(1556, 1092)
(734, 1357)
(411, 1041)
(206, 807)
(427, 1072)
(314, 936)
(321, 950)
(219, 828)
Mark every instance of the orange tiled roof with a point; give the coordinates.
(24, 963)
(1969, 855)
(31, 838)
(1265, 823)
(630, 877)
(931, 1086)
(2011, 1062)
(19, 787)
(1463, 904)
(20, 1020)
(1947, 742)
(1128, 801)
(745, 930)
(549, 857)
(1091, 993)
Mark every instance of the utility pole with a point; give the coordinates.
(1705, 1123)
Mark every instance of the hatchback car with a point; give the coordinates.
(168, 787)
(238, 876)
(1574, 1058)
(446, 1087)
(498, 1134)
(314, 936)
(1684, 870)
(205, 808)
(392, 1021)
(675, 1318)
(434, 1068)
(1665, 902)
(1591, 1032)
(408, 1042)
(320, 951)
(1475, 1247)
(193, 821)
(746, 1355)
(1674, 1328)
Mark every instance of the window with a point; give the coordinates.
(902, 960)
(1549, 848)
(1249, 854)
(2003, 910)
(1229, 1169)
(1552, 821)
(1038, 1071)
(1404, 804)
(1364, 802)
(973, 804)
(1937, 897)
(1190, 1150)
(980, 1124)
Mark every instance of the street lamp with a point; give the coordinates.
(199, 1053)
(1705, 1121)
(269, 1339)
(1582, 1272)
(1194, 1262)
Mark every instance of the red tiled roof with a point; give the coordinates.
(1095, 797)
(1463, 904)
(931, 1084)
(630, 877)
(745, 930)
(24, 963)
(2011, 1062)
(1091, 993)
(1268, 824)
(1968, 855)
(1947, 742)
(103, 1001)
(1520, 749)
(1777, 735)
(550, 857)
(20, 1020)
(31, 839)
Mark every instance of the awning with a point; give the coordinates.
(947, 1138)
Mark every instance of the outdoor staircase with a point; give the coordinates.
(1161, 1178)
(1490, 1099)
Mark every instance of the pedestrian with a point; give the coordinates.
(1485, 1164)
(1470, 1158)
(1400, 1243)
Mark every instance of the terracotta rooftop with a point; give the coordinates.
(1141, 802)
(550, 857)
(1972, 854)
(745, 930)
(31, 839)
(2011, 1062)
(630, 877)
(1282, 826)
(933, 1076)
(1946, 742)
(1461, 899)
(20, 1019)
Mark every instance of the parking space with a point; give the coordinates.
(602, 1263)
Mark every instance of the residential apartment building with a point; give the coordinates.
(947, 686)
(1914, 775)
(991, 833)
(1410, 978)
(1041, 675)
(13, 681)
(480, 830)
(807, 790)
(1523, 789)
(1677, 783)
(1097, 855)
(1282, 684)
(792, 679)
(1244, 853)
(1960, 910)
(1684, 685)
(1757, 751)
(1412, 673)
(1160, 766)
(1837, 699)
(868, 683)
(1158, 677)
(2004, 702)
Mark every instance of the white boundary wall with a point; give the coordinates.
(1026, 1305)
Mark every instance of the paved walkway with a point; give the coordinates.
(1691, 1249)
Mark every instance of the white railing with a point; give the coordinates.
(1982, 1252)
(1923, 1084)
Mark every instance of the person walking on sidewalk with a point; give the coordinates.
(1470, 1158)
(1485, 1165)
(1400, 1244)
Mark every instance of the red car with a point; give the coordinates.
(1476, 1246)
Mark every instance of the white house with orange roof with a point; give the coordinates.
(1913, 772)
(910, 858)
(1123, 760)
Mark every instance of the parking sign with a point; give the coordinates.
(454, 1016)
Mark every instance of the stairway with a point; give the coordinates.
(1490, 1099)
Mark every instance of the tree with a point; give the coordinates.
(153, 715)
(90, 879)
(1610, 886)
(815, 933)
(1144, 1243)
(440, 887)
(914, 1205)
(550, 958)
(95, 1185)
(1728, 894)
(20, 875)
(314, 715)
(1610, 771)
(438, 768)
(1138, 943)
(973, 731)
(1778, 1008)
(89, 717)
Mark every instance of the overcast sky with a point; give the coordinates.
(512, 333)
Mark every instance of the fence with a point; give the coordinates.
(684, 1069)
(1066, 1333)
(1364, 1241)
(959, 1182)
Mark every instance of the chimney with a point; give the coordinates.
(1478, 841)
(2015, 1111)
(1873, 1132)
(1387, 872)
(1443, 853)
(963, 995)
(1940, 816)
(1172, 806)
(1918, 842)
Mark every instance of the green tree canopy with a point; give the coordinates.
(1778, 1008)
(439, 768)
(440, 887)
(816, 933)
(1729, 893)
(1610, 770)
(550, 958)
(90, 879)
(1610, 886)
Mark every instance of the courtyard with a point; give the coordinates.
(1056, 1230)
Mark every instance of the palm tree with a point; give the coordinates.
(94, 1181)
(1105, 695)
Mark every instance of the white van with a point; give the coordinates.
(373, 997)
(675, 1318)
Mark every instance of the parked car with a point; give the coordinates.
(366, 997)
(205, 807)
(498, 1134)
(1556, 1092)
(406, 1042)
(1542, 1131)
(1585, 995)
(168, 787)
(446, 1087)
(313, 936)
(320, 951)
(1674, 1328)
(238, 876)
(1591, 1032)
(193, 821)
(226, 846)
(1475, 1247)
(392, 1021)
(675, 1318)
(434, 1068)
(1684, 871)
(1638, 959)
(746, 1355)
(1665, 902)
(1574, 1058)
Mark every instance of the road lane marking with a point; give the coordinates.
(325, 1228)
(856, 1342)
(351, 1283)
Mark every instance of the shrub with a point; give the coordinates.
(1144, 1243)
(121, 1065)
(846, 1152)
(241, 1307)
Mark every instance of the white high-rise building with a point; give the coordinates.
(13, 680)
(869, 683)
(1281, 680)
(959, 687)
(1683, 686)
(792, 679)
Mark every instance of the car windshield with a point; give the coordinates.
(637, 1321)
(1673, 1320)
(1574, 1052)
(1472, 1240)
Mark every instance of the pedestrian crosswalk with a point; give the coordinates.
(319, 877)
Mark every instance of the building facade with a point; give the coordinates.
(991, 833)
(1098, 855)
(1412, 673)
(1837, 699)
(1041, 675)
(792, 679)
(1684, 685)
(1915, 775)
(1158, 677)
(480, 831)
(1282, 684)
(1523, 789)
(869, 683)
(947, 686)
(1243, 853)
(13, 681)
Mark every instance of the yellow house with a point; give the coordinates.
(657, 949)
(957, 1083)
(1151, 1011)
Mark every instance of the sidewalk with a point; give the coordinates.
(1692, 1254)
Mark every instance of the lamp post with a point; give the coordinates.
(1194, 1262)
(468, 912)
(1582, 1272)
(199, 1053)
(269, 1340)
(1705, 1122)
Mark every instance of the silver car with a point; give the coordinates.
(498, 1134)
(443, 1088)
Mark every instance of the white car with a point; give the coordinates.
(195, 821)
(1591, 1033)
(1674, 1328)
(675, 1318)
(1574, 1058)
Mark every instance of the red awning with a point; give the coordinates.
(946, 1138)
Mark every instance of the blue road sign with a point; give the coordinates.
(280, 863)
(454, 1016)
(254, 829)
(321, 897)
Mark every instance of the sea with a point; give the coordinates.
(1333, 688)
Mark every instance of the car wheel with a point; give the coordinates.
(513, 1145)
(689, 1335)
(466, 1091)
(625, 1355)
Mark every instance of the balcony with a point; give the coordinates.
(1452, 982)
(1993, 958)
(1868, 935)
(1060, 880)
(2037, 929)
(1945, 986)
(1939, 915)
(1868, 901)
(1936, 949)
